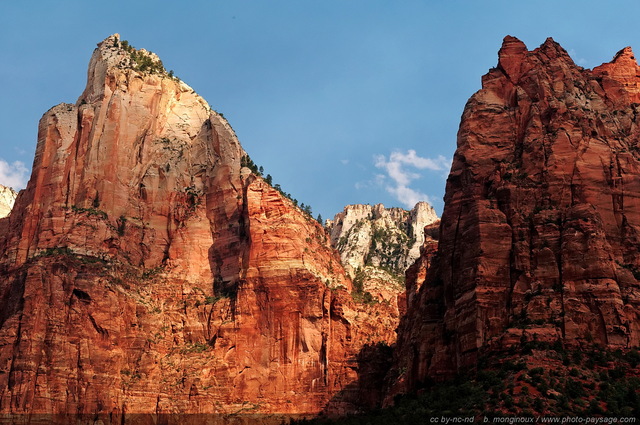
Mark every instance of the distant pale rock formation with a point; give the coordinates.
(388, 238)
(7, 199)
(378, 244)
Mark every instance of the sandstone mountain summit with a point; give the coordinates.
(541, 225)
(376, 236)
(145, 270)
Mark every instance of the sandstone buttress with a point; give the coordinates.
(541, 225)
(145, 271)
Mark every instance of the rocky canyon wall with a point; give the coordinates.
(541, 225)
(144, 270)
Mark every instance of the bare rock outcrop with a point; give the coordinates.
(378, 244)
(382, 237)
(7, 199)
(541, 226)
(144, 270)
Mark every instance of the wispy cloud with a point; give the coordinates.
(401, 169)
(377, 181)
(578, 60)
(14, 175)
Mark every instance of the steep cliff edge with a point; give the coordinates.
(144, 270)
(541, 225)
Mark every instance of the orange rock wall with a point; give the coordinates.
(144, 271)
(540, 231)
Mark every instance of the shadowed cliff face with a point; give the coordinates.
(143, 270)
(540, 231)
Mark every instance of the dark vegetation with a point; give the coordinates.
(90, 211)
(211, 300)
(388, 246)
(246, 161)
(70, 255)
(358, 294)
(143, 62)
(531, 380)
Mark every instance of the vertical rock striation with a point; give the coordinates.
(145, 271)
(541, 225)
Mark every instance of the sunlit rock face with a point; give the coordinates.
(7, 199)
(382, 237)
(377, 245)
(541, 225)
(144, 270)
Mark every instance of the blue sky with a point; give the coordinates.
(342, 102)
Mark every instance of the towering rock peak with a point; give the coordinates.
(511, 44)
(145, 270)
(621, 77)
(136, 140)
(515, 61)
(511, 56)
(550, 45)
(541, 225)
(7, 199)
(115, 63)
(378, 244)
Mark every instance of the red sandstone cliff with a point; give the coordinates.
(541, 226)
(145, 271)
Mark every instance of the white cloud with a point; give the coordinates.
(409, 197)
(14, 175)
(344, 161)
(401, 169)
(577, 60)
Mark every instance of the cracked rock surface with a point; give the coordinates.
(540, 232)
